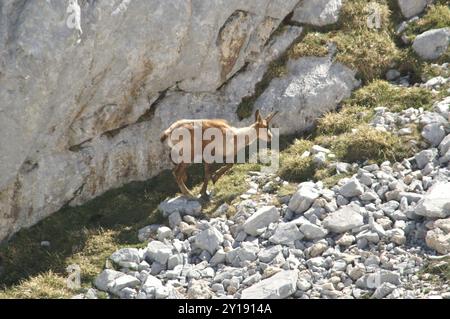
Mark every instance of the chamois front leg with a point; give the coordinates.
(207, 177)
(221, 171)
(180, 175)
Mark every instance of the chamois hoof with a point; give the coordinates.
(205, 197)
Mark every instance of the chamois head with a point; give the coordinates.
(262, 126)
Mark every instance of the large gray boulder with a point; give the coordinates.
(82, 107)
(431, 44)
(279, 286)
(411, 8)
(344, 219)
(79, 111)
(262, 218)
(303, 198)
(436, 203)
(317, 12)
(313, 86)
(209, 240)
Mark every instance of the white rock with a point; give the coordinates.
(344, 219)
(439, 237)
(443, 107)
(319, 149)
(246, 252)
(174, 219)
(342, 167)
(318, 12)
(319, 159)
(424, 157)
(182, 205)
(433, 133)
(346, 240)
(432, 44)
(262, 218)
(317, 249)
(382, 291)
(126, 257)
(375, 280)
(312, 231)
(158, 251)
(210, 240)
(396, 236)
(163, 233)
(286, 234)
(444, 147)
(351, 188)
(312, 86)
(199, 289)
(411, 8)
(125, 281)
(279, 286)
(151, 284)
(268, 254)
(106, 279)
(436, 202)
(303, 198)
(174, 261)
(218, 258)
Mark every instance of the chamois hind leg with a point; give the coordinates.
(180, 173)
(207, 177)
(221, 171)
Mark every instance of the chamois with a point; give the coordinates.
(234, 139)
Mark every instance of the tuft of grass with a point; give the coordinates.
(48, 285)
(293, 167)
(286, 190)
(437, 16)
(370, 51)
(229, 187)
(439, 268)
(329, 177)
(312, 44)
(85, 235)
(335, 123)
(367, 144)
(395, 98)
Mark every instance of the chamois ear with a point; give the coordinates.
(271, 116)
(258, 117)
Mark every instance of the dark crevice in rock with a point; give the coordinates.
(276, 69)
(148, 115)
(78, 147)
(76, 193)
(28, 166)
(225, 83)
(114, 132)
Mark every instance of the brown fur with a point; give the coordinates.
(179, 171)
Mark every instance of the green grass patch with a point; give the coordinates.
(367, 144)
(439, 268)
(87, 235)
(369, 51)
(395, 98)
(335, 123)
(436, 17)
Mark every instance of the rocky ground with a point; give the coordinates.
(369, 236)
(360, 207)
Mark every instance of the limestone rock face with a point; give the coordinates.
(87, 90)
(318, 12)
